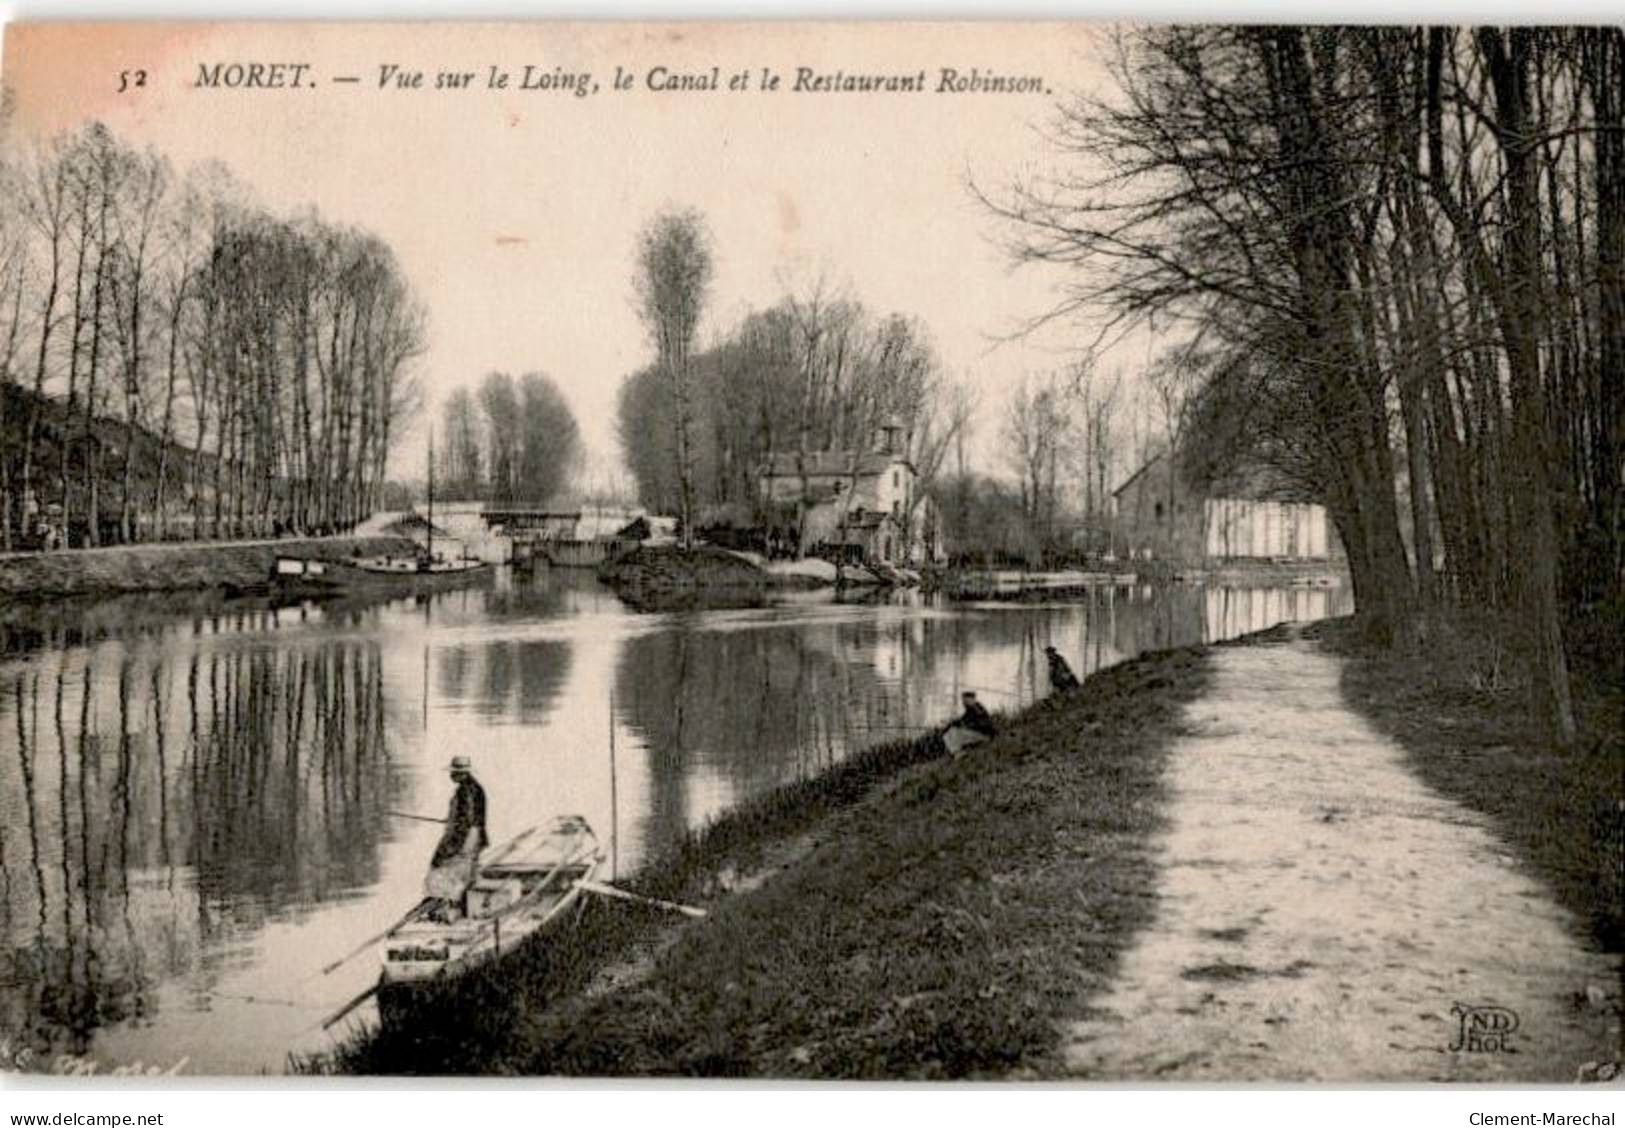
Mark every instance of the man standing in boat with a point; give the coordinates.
(451, 870)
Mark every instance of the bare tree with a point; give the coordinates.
(13, 284)
(1404, 246)
(1038, 427)
(673, 280)
(139, 222)
(1172, 382)
(46, 204)
(1097, 396)
(550, 441)
(183, 244)
(945, 421)
(461, 430)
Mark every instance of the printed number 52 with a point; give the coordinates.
(128, 79)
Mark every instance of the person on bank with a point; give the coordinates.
(452, 869)
(972, 727)
(1061, 677)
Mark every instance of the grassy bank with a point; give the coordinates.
(1466, 725)
(923, 917)
(166, 567)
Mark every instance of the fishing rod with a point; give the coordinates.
(263, 1000)
(604, 889)
(409, 815)
(980, 689)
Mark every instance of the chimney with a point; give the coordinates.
(888, 431)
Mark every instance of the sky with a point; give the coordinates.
(514, 213)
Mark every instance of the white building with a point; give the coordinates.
(861, 502)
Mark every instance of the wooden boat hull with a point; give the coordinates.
(525, 887)
(351, 576)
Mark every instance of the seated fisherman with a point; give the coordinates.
(1061, 677)
(973, 726)
(452, 869)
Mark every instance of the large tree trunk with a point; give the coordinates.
(1351, 414)
(1534, 529)
(13, 331)
(1604, 73)
(678, 373)
(167, 427)
(93, 460)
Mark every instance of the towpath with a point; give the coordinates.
(1322, 913)
(376, 526)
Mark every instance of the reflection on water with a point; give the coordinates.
(158, 804)
(195, 800)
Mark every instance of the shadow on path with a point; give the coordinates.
(1321, 911)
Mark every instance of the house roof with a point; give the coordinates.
(830, 464)
(1252, 481)
(1134, 477)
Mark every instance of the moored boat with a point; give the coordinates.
(528, 885)
(424, 568)
(291, 579)
(408, 571)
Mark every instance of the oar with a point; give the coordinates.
(370, 941)
(261, 999)
(612, 891)
(349, 1006)
(409, 815)
(513, 844)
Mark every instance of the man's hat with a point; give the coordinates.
(1049, 650)
(460, 764)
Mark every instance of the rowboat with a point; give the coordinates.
(526, 886)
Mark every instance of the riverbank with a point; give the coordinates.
(904, 915)
(1007, 913)
(128, 569)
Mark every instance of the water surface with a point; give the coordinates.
(200, 802)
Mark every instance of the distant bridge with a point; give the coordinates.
(527, 516)
(580, 537)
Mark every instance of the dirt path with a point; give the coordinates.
(1321, 911)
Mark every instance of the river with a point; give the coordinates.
(197, 800)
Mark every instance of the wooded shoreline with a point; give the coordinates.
(168, 567)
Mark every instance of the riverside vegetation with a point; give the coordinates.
(924, 917)
(911, 916)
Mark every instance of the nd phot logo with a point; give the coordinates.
(1484, 1030)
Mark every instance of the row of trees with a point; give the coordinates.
(818, 372)
(177, 362)
(1066, 441)
(814, 372)
(1400, 255)
(510, 440)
